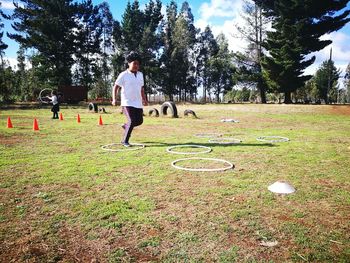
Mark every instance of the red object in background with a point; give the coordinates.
(9, 123)
(35, 125)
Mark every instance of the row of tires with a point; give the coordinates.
(168, 105)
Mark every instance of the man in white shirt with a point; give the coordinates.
(131, 84)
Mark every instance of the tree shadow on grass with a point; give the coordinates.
(160, 144)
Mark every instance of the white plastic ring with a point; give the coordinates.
(40, 95)
(208, 135)
(272, 139)
(107, 147)
(207, 149)
(230, 165)
(225, 140)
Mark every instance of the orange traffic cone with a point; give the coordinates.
(9, 123)
(78, 118)
(100, 121)
(35, 125)
(61, 117)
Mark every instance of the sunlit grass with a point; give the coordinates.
(59, 178)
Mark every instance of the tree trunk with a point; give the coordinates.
(262, 91)
(287, 97)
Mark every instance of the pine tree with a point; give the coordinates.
(3, 46)
(150, 44)
(206, 48)
(48, 26)
(88, 39)
(326, 81)
(221, 69)
(254, 33)
(132, 26)
(104, 68)
(168, 66)
(21, 75)
(347, 83)
(298, 26)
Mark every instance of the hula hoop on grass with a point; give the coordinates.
(42, 95)
(208, 135)
(231, 166)
(230, 120)
(125, 149)
(225, 140)
(272, 139)
(169, 150)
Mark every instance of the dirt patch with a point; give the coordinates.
(10, 140)
(340, 110)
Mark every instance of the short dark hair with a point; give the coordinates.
(132, 56)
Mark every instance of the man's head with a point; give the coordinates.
(134, 61)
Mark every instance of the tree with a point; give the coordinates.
(298, 26)
(221, 69)
(150, 44)
(184, 37)
(254, 32)
(21, 75)
(168, 65)
(347, 82)
(138, 31)
(132, 26)
(87, 42)
(103, 70)
(326, 81)
(3, 71)
(3, 46)
(48, 26)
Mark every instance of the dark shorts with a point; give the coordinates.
(55, 108)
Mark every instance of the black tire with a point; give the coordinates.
(102, 110)
(171, 105)
(93, 106)
(155, 111)
(191, 112)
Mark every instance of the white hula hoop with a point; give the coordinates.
(225, 140)
(169, 150)
(208, 135)
(40, 97)
(231, 166)
(272, 139)
(107, 147)
(230, 120)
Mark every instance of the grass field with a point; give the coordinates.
(64, 199)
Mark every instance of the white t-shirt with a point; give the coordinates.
(54, 100)
(130, 88)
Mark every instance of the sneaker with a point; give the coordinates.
(126, 144)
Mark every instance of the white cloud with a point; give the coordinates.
(11, 61)
(223, 16)
(7, 4)
(219, 8)
(340, 52)
(228, 13)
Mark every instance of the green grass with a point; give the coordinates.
(62, 197)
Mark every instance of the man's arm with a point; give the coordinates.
(144, 98)
(115, 92)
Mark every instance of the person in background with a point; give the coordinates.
(55, 106)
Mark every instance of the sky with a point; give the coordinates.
(221, 16)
